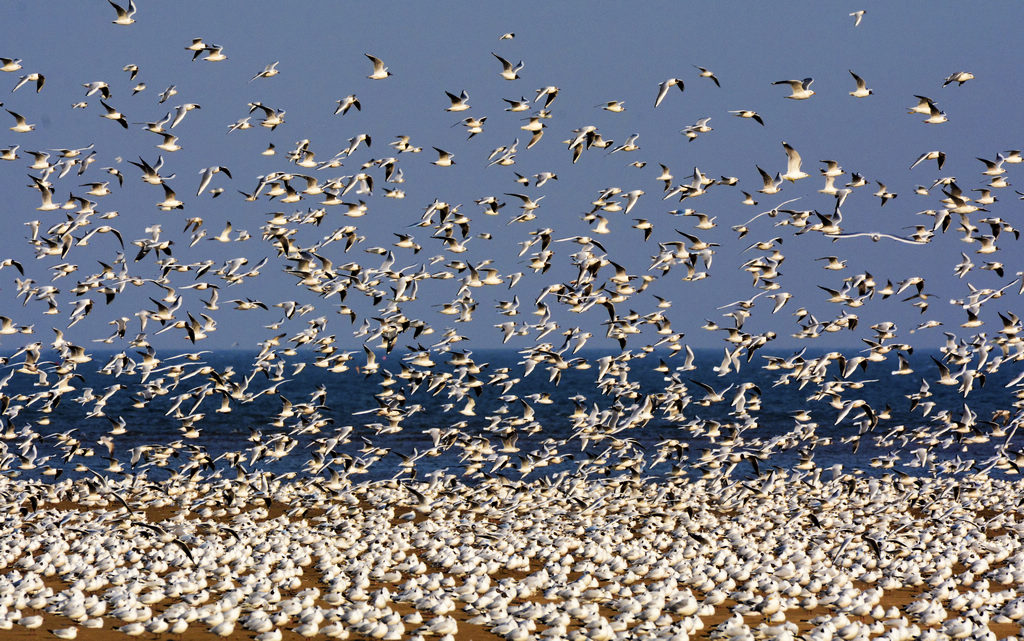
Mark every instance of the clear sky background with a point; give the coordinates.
(593, 52)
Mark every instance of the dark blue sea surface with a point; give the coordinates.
(958, 435)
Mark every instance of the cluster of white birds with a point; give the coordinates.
(618, 541)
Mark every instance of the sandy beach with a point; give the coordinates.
(849, 558)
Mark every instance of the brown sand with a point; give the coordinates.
(899, 598)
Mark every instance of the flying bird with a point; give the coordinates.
(862, 90)
(706, 73)
(793, 171)
(665, 86)
(379, 70)
(799, 89)
(748, 113)
(508, 71)
(124, 16)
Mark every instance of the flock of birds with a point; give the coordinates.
(617, 542)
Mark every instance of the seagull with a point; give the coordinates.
(862, 90)
(98, 86)
(771, 185)
(124, 16)
(857, 17)
(207, 176)
(347, 103)
(517, 105)
(665, 86)
(876, 236)
(935, 116)
(883, 193)
(21, 125)
(549, 94)
(170, 200)
(268, 72)
(748, 113)
(924, 105)
(197, 47)
(379, 70)
(938, 156)
(508, 72)
(705, 73)
(10, 64)
(960, 77)
(444, 159)
(170, 143)
(793, 172)
(459, 103)
(800, 89)
(215, 53)
(114, 114)
(38, 78)
(167, 93)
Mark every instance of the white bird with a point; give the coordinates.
(799, 89)
(706, 73)
(38, 78)
(124, 16)
(21, 125)
(268, 72)
(207, 176)
(508, 71)
(459, 103)
(862, 90)
(876, 236)
(857, 17)
(793, 171)
(960, 77)
(663, 88)
(347, 103)
(379, 70)
(444, 159)
(938, 156)
(748, 113)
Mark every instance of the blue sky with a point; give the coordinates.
(594, 53)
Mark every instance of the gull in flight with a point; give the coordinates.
(379, 70)
(124, 16)
(793, 172)
(748, 113)
(857, 17)
(862, 90)
(444, 159)
(38, 78)
(508, 72)
(938, 156)
(268, 72)
(800, 89)
(706, 73)
(876, 236)
(665, 86)
(960, 77)
(347, 103)
(21, 125)
(459, 103)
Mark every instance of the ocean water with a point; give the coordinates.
(958, 435)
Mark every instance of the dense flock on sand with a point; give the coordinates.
(339, 258)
